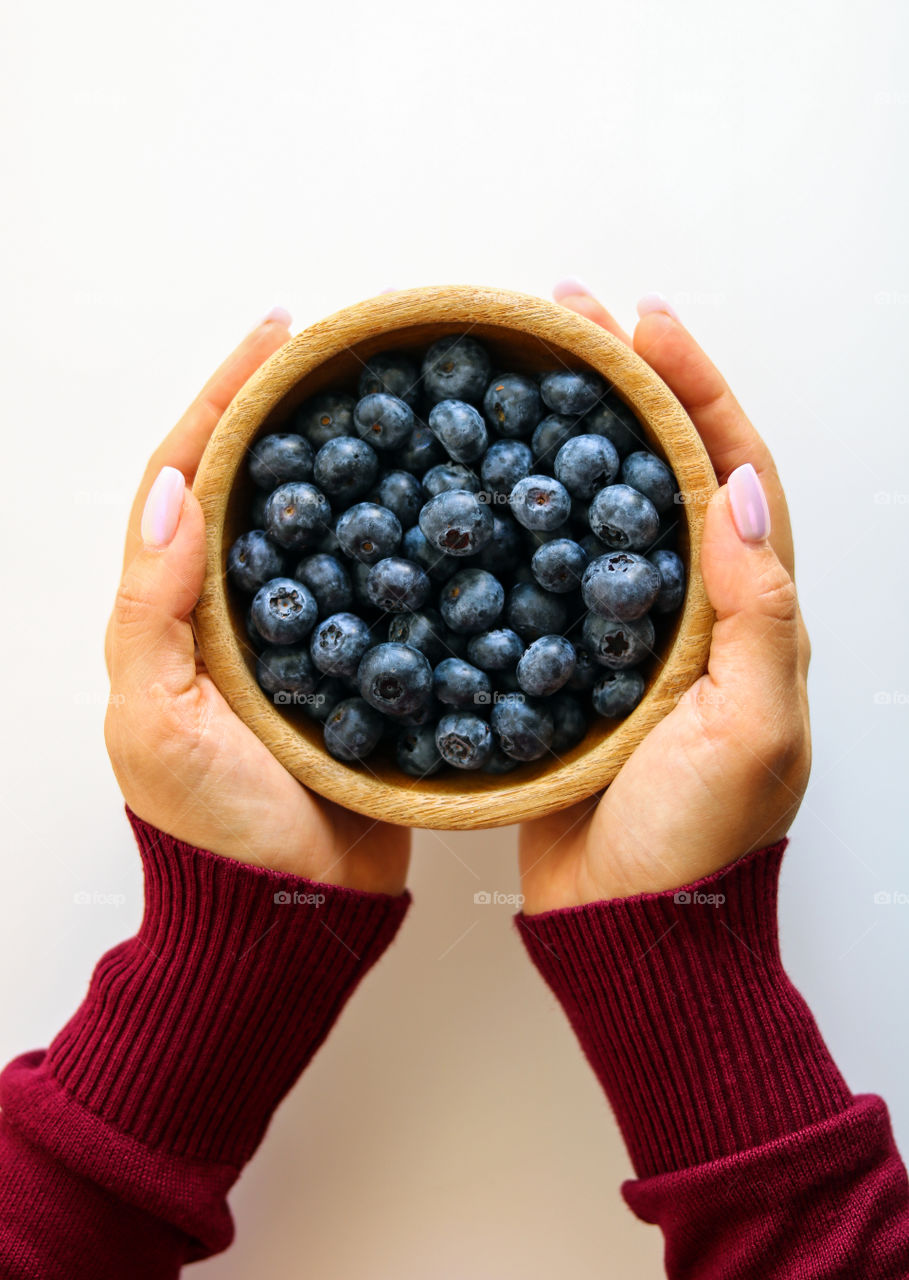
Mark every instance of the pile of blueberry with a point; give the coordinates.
(459, 562)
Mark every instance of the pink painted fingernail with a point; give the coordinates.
(163, 507)
(749, 505)
(656, 302)
(569, 288)
(277, 315)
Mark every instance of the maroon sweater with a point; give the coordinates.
(119, 1144)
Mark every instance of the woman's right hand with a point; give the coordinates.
(185, 762)
(725, 771)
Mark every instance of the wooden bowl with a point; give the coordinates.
(522, 333)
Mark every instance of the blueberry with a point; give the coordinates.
(352, 730)
(506, 462)
(396, 585)
(297, 514)
(253, 560)
(650, 476)
(464, 740)
(325, 417)
(459, 684)
(448, 476)
(585, 464)
(672, 580)
(512, 405)
(503, 551)
(456, 522)
(617, 693)
(326, 695)
(460, 429)
(499, 762)
(558, 565)
(533, 612)
(540, 502)
(497, 650)
(423, 631)
(283, 611)
(278, 458)
(416, 752)
(420, 451)
(618, 644)
(383, 420)
(620, 585)
(395, 679)
(572, 392)
(471, 601)
(524, 729)
(285, 669)
(570, 722)
(401, 493)
(328, 580)
(423, 717)
(369, 532)
(456, 368)
(546, 665)
(437, 564)
(549, 437)
(391, 372)
(338, 643)
(345, 468)
(613, 419)
(586, 671)
(623, 518)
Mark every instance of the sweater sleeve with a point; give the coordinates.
(119, 1143)
(750, 1151)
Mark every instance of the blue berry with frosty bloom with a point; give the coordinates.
(496, 650)
(504, 464)
(524, 728)
(325, 417)
(352, 730)
(620, 585)
(570, 722)
(460, 429)
(512, 405)
(613, 419)
(328, 580)
(585, 464)
(460, 684)
(558, 565)
(396, 585)
(416, 753)
(464, 740)
(623, 519)
(368, 532)
(345, 469)
(338, 643)
(419, 452)
(446, 476)
(297, 514)
(617, 693)
(275, 459)
(456, 522)
(401, 493)
(649, 475)
(437, 564)
(615, 643)
(671, 569)
(383, 421)
(533, 612)
(395, 679)
(546, 665)
(572, 392)
(392, 372)
(423, 630)
(503, 551)
(283, 611)
(252, 560)
(540, 503)
(549, 436)
(471, 601)
(286, 669)
(456, 368)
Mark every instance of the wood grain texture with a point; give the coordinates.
(523, 333)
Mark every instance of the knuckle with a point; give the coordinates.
(776, 596)
(131, 608)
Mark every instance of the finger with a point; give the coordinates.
(754, 648)
(575, 296)
(149, 638)
(185, 444)
(722, 424)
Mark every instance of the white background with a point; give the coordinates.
(173, 170)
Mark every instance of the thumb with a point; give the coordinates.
(754, 649)
(150, 639)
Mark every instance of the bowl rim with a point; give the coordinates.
(435, 802)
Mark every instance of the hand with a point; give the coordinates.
(185, 763)
(724, 773)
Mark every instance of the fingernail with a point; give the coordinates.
(656, 302)
(749, 505)
(569, 288)
(163, 507)
(277, 315)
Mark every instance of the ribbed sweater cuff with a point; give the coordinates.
(193, 1031)
(682, 1006)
